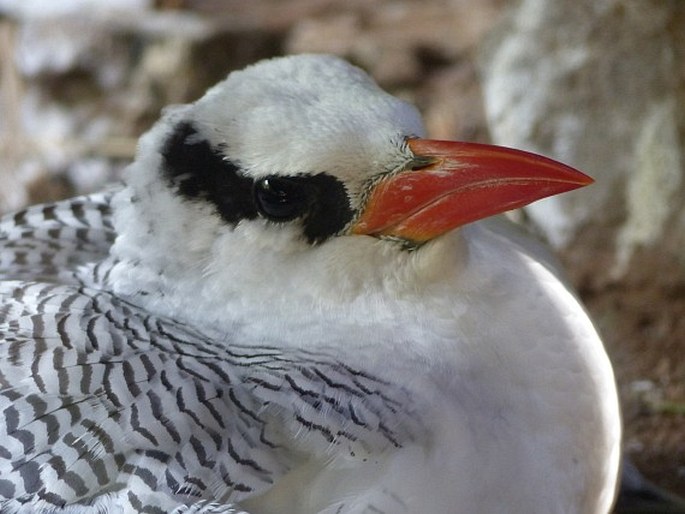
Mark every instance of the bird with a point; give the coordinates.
(298, 303)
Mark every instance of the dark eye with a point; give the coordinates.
(280, 199)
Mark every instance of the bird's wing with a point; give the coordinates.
(98, 397)
(47, 242)
(104, 404)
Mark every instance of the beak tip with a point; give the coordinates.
(582, 179)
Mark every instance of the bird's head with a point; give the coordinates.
(303, 156)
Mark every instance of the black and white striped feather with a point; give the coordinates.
(107, 408)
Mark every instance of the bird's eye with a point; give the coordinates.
(280, 199)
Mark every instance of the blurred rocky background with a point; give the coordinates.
(599, 84)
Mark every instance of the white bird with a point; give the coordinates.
(286, 310)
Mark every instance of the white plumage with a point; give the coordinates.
(218, 334)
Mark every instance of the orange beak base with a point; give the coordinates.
(464, 182)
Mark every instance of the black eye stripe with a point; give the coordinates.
(200, 172)
(330, 213)
(318, 202)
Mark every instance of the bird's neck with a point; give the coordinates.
(220, 279)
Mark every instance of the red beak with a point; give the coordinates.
(461, 183)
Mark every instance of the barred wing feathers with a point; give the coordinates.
(48, 242)
(104, 404)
